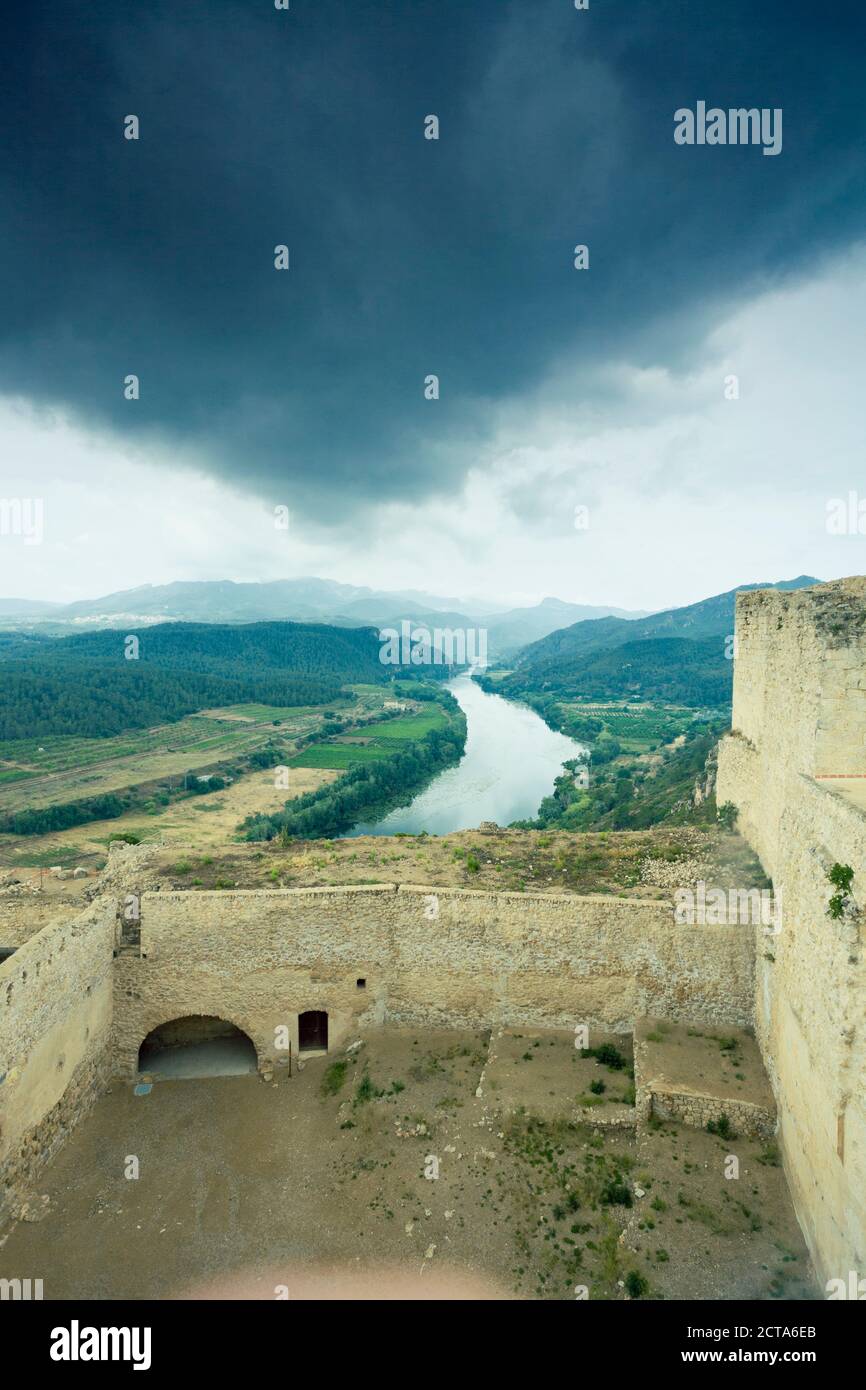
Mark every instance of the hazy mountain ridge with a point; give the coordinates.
(679, 655)
(709, 618)
(310, 600)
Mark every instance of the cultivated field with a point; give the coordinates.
(377, 741)
(206, 821)
(638, 727)
(56, 771)
(47, 772)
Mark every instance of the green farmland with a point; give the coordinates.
(637, 727)
(411, 727)
(384, 739)
(340, 756)
(37, 773)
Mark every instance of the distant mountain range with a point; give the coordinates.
(678, 655)
(308, 600)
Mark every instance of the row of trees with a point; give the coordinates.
(334, 809)
(46, 819)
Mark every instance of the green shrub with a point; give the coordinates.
(727, 815)
(366, 1091)
(334, 1077)
(609, 1056)
(841, 876)
(616, 1193)
(770, 1156)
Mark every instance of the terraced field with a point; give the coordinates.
(69, 769)
(54, 771)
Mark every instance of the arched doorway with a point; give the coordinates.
(198, 1045)
(313, 1031)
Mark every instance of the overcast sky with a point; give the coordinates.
(607, 389)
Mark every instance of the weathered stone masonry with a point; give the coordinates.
(56, 1009)
(260, 958)
(799, 729)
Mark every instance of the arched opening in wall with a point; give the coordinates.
(313, 1031)
(199, 1045)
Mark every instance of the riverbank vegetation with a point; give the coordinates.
(632, 791)
(647, 763)
(392, 762)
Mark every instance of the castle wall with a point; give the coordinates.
(432, 958)
(803, 719)
(56, 999)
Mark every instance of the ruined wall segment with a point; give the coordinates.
(428, 957)
(56, 1001)
(796, 751)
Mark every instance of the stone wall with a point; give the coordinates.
(434, 958)
(693, 1108)
(800, 713)
(55, 1022)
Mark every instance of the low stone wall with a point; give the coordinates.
(55, 1022)
(692, 1108)
(680, 1075)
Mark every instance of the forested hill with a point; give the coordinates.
(87, 684)
(228, 649)
(679, 655)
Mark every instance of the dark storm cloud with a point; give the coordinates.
(407, 256)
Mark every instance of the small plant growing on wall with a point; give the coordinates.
(841, 876)
(722, 1127)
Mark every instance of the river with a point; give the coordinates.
(509, 766)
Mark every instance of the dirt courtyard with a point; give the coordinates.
(379, 1172)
